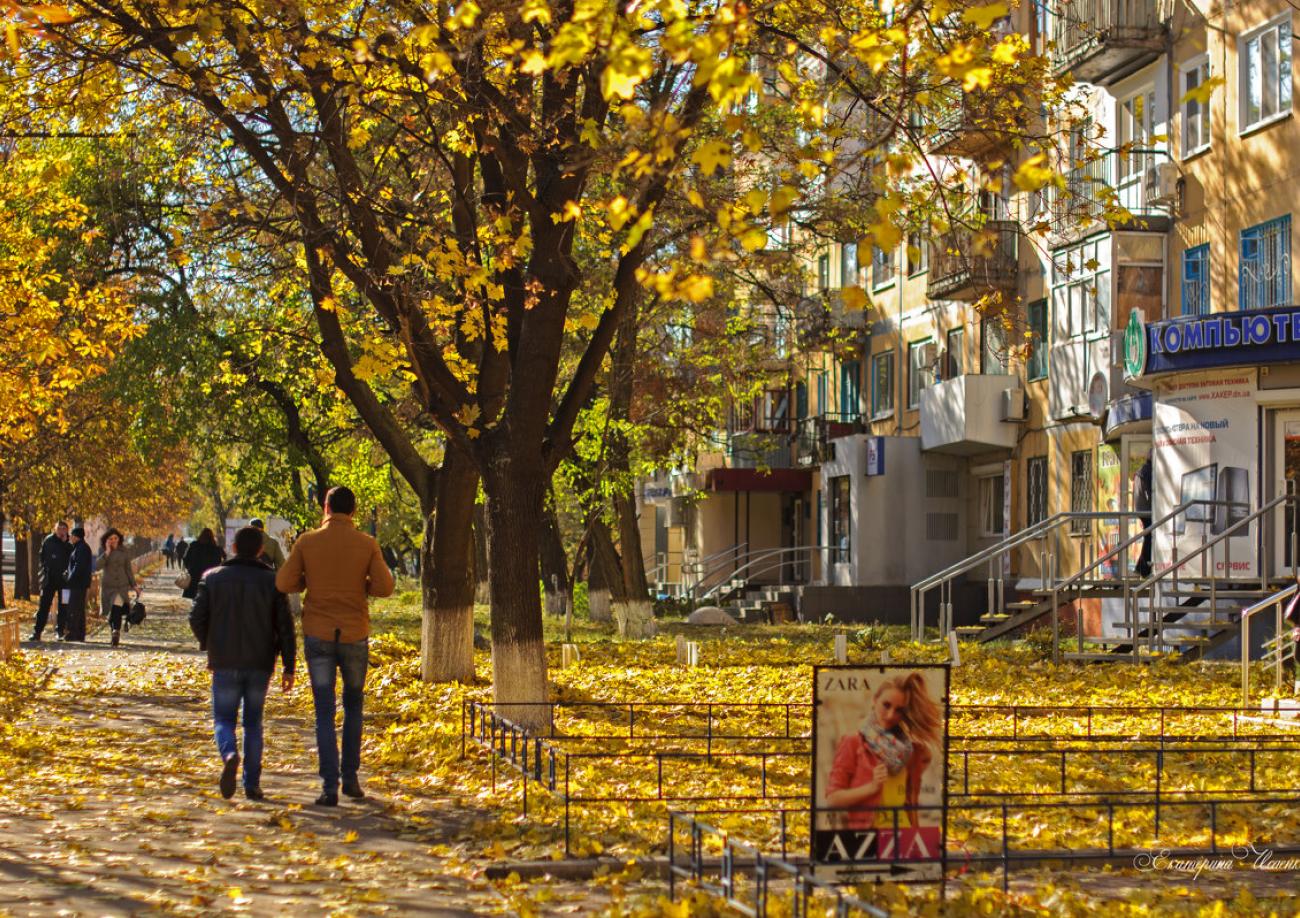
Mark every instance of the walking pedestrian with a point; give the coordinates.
(76, 582)
(169, 551)
(55, 550)
(204, 553)
(1142, 507)
(272, 553)
(339, 567)
(242, 621)
(182, 546)
(116, 581)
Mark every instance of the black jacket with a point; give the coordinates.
(199, 558)
(81, 564)
(55, 553)
(241, 619)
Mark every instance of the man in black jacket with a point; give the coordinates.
(242, 621)
(54, 561)
(76, 580)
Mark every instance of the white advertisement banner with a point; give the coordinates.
(1205, 449)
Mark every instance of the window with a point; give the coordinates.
(1081, 489)
(1196, 114)
(1196, 281)
(1036, 365)
(1081, 281)
(920, 371)
(850, 389)
(823, 403)
(1266, 264)
(1036, 490)
(882, 267)
(992, 499)
(824, 271)
(801, 400)
(841, 519)
(1265, 77)
(1136, 128)
(993, 348)
(918, 255)
(954, 362)
(882, 385)
(849, 264)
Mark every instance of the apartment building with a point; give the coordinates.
(1169, 334)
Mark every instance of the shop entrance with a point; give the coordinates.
(1286, 460)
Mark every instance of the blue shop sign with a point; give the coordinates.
(1223, 339)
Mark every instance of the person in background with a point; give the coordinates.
(202, 555)
(1142, 507)
(116, 581)
(169, 551)
(182, 546)
(55, 550)
(272, 553)
(76, 580)
(339, 567)
(242, 621)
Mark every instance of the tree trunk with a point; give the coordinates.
(482, 590)
(22, 570)
(555, 563)
(622, 385)
(447, 575)
(515, 486)
(605, 573)
(34, 540)
(629, 541)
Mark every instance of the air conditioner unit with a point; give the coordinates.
(1160, 183)
(1013, 405)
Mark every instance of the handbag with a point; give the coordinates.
(135, 615)
(183, 581)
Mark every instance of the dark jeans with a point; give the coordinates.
(49, 596)
(75, 629)
(325, 659)
(230, 687)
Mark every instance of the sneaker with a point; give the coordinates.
(229, 772)
(117, 636)
(353, 789)
(254, 793)
(327, 799)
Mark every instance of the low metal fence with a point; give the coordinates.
(11, 625)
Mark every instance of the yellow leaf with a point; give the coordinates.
(1032, 174)
(981, 17)
(350, 837)
(854, 298)
(1201, 94)
(712, 155)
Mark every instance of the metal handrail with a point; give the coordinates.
(1132, 593)
(755, 557)
(1271, 602)
(997, 593)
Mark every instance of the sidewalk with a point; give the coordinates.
(119, 811)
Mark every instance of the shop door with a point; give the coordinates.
(1286, 460)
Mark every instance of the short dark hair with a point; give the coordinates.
(341, 500)
(79, 532)
(256, 523)
(248, 542)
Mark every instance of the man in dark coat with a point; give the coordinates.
(243, 622)
(55, 551)
(1142, 507)
(76, 580)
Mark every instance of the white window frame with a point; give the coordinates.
(919, 375)
(1138, 129)
(1201, 67)
(1243, 76)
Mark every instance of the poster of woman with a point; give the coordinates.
(879, 763)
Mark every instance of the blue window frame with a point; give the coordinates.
(1264, 277)
(1196, 281)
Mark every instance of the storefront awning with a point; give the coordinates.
(758, 480)
(1128, 414)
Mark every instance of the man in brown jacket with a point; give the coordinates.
(339, 567)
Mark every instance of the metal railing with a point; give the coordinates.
(976, 258)
(1108, 183)
(1281, 643)
(1081, 24)
(753, 564)
(997, 558)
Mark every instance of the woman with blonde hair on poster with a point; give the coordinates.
(878, 767)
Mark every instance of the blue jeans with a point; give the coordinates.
(325, 659)
(229, 688)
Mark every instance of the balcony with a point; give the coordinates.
(966, 415)
(1102, 41)
(966, 264)
(974, 126)
(1120, 190)
(814, 433)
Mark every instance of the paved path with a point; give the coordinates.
(119, 811)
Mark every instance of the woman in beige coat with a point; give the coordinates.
(116, 581)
